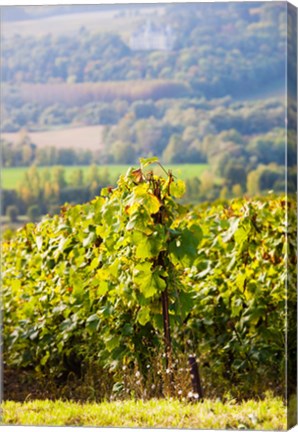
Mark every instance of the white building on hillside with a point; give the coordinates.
(152, 37)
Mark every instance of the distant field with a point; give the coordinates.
(82, 93)
(88, 137)
(122, 22)
(11, 177)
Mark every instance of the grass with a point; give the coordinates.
(267, 414)
(5, 222)
(11, 177)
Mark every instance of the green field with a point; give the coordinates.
(269, 414)
(12, 177)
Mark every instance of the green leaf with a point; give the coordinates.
(64, 242)
(94, 263)
(204, 273)
(114, 268)
(45, 358)
(89, 240)
(177, 188)
(102, 288)
(148, 161)
(147, 246)
(233, 227)
(240, 280)
(141, 196)
(253, 315)
(112, 343)
(143, 315)
(59, 309)
(185, 247)
(78, 285)
(15, 284)
(151, 203)
(67, 325)
(241, 235)
(127, 329)
(185, 303)
(157, 320)
(92, 323)
(148, 283)
(143, 249)
(139, 221)
(236, 306)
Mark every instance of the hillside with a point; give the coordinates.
(213, 95)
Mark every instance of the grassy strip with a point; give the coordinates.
(266, 414)
(12, 177)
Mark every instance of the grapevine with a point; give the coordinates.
(93, 284)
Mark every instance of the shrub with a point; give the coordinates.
(33, 213)
(12, 212)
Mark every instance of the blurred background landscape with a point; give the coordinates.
(88, 90)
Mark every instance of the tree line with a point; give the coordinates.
(174, 129)
(46, 191)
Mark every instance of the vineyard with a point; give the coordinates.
(108, 299)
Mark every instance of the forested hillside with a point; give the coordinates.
(205, 100)
(217, 48)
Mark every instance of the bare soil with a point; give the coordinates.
(87, 137)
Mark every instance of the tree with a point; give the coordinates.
(59, 177)
(193, 188)
(12, 213)
(77, 178)
(28, 154)
(224, 192)
(266, 177)
(93, 174)
(207, 183)
(237, 190)
(23, 138)
(33, 213)
(9, 197)
(175, 150)
(235, 173)
(123, 152)
(270, 147)
(144, 109)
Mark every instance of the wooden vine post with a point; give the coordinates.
(195, 377)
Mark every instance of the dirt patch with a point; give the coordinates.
(88, 137)
(21, 386)
(25, 385)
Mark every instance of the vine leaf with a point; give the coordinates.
(92, 323)
(148, 283)
(185, 247)
(148, 161)
(177, 188)
(241, 235)
(143, 315)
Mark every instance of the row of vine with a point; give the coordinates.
(87, 287)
